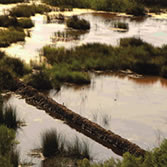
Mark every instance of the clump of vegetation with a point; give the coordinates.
(25, 23)
(133, 54)
(134, 7)
(10, 1)
(53, 144)
(39, 80)
(9, 156)
(7, 143)
(79, 24)
(6, 79)
(157, 157)
(121, 25)
(10, 68)
(9, 117)
(11, 35)
(28, 10)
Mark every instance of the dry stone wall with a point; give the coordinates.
(105, 137)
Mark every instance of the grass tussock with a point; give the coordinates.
(132, 53)
(79, 24)
(9, 117)
(39, 80)
(134, 7)
(11, 35)
(10, 68)
(53, 144)
(9, 157)
(121, 25)
(28, 10)
(156, 157)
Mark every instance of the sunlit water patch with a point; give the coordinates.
(133, 108)
(150, 29)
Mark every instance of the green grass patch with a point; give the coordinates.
(11, 35)
(79, 24)
(134, 7)
(132, 53)
(121, 25)
(54, 144)
(9, 68)
(28, 10)
(8, 155)
(156, 157)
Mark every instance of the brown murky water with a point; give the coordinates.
(133, 108)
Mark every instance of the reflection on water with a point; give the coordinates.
(37, 122)
(132, 108)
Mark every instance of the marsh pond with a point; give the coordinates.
(133, 106)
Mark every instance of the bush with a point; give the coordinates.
(136, 10)
(10, 1)
(7, 146)
(6, 79)
(10, 36)
(51, 143)
(25, 23)
(157, 157)
(121, 25)
(7, 137)
(39, 80)
(28, 10)
(63, 73)
(79, 24)
(7, 21)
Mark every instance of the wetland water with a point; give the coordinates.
(132, 108)
(150, 29)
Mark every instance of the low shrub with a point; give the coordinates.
(10, 36)
(10, 1)
(39, 80)
(25, 23)
(136, 10)
(6, 79)
(157, 157)
(79, 24)
(7, 21)
(78, 149)
(132, 53)
(8, 157)
(28, 10)
(63, 73)
(53, 144)
(121, 25)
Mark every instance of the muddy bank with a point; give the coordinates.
(108, 139)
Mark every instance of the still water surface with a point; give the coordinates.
(150, 29)
(133, 108)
